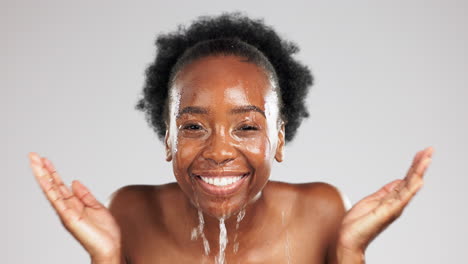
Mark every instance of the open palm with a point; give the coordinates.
(370, 216)
(83, 216)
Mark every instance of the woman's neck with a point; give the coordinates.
(241, 228)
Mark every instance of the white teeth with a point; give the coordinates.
(221, 181)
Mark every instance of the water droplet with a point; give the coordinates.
(240, 216)
(236, 247)
(194, 234)
(206, 245)
(198, 231)
(222, 242)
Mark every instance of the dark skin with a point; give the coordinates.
(262, 234)
(223, 120)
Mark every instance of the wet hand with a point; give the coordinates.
(90, 222)
(370, 216)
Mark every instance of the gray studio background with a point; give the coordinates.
(391, 79)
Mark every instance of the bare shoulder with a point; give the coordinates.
(134, 199)
(316, 210)
(323, 194)
(317, 198)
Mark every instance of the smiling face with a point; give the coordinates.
(224, 132)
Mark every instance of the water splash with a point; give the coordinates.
(222, 242)
(198, 232)
(206, 245)
(236, 247)
(194, 234)
(240, 216)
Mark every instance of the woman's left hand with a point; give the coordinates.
(370, 216)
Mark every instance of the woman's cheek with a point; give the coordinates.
(185, 151)
(256, 149)
(183, 157)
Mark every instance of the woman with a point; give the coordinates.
(225, 95)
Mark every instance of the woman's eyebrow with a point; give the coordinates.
(204, 111)
(192, 110)
(247, 108)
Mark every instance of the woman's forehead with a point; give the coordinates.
(226, 80)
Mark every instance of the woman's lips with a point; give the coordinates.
(220, 183)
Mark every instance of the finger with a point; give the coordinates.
(415, 175)
(393, 204)
(64, 190)
(415, 172)
(399, 184)
(417, 158)
(69, 197)
(35, 159)
(430, 151)
(407, 188)
(44, 179)
(70, 200)
(50, 189)
(396, 200)
(85, 195)
(385, 190)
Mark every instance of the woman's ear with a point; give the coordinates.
(279, 156)
(168, 146)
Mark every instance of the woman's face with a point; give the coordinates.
(224, 132)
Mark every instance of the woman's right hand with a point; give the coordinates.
(90, 222)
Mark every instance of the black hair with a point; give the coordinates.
(226, 47)
(232, 34)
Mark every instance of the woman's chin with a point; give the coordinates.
(222, 210)
(224, 207)
(221, 213)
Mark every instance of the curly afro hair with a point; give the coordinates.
(235, 34)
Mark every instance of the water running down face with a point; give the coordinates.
(224, 132)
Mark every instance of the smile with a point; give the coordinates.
(220, 184)
(221, 181)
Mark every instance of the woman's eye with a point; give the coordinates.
(192, 127)
(192, 130)
(245, 130)
(247, 127)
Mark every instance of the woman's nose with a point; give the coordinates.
(219, 149)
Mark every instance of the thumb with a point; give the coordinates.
(85, 195)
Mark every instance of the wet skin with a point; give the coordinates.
(224, 121)
(299, 221)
